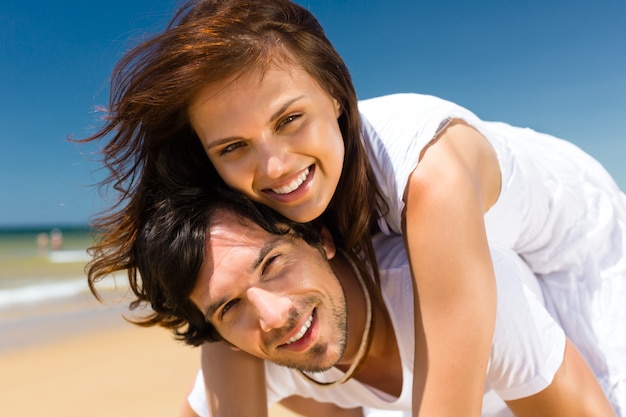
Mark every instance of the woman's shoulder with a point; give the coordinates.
(395, 129)
(400, 100)
(411, 110)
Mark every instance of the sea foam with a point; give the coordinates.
(40, 292)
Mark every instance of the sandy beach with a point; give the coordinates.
(79, 358)
(64, 354)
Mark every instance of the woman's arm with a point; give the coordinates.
(235, 385)
(234, 382)
(574, 392)
(456, 181)
(308, 407)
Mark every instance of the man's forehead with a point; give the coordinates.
(236, 243)
(229, 229)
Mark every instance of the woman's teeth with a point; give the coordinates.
(293, 185)
(302, 331)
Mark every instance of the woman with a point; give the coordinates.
(252, 96)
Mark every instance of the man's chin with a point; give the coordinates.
(319, 359)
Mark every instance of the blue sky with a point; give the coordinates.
(556, 66)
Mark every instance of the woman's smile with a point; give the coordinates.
(294, 189)
(262, 126)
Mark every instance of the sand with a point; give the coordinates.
(80, 359)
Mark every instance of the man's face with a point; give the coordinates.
(275, 297)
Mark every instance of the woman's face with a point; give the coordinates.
(274, 137)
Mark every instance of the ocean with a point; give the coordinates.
(43, 287)
(37, 264)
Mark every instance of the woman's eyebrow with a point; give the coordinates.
(218, 142)
(284, 107)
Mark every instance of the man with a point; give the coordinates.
(282, 292)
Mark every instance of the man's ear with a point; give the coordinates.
(230, 345)
(328, 244)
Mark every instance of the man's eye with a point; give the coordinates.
(228, 306)
(230, 148)
(268, 262)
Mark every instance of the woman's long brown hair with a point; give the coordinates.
(151, 147)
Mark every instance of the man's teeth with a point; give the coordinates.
(293, 185)
(302, 331)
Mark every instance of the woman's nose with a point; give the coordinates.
(272, 161)
(272, 309)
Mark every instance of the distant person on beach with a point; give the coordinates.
(252, 96)
(228, 271)
(43, 242)
(56, 239)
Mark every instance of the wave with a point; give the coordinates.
(41, 292)
(69, 256)
(12, 297)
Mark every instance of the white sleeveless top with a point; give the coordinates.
(558, 209)
(527, 348)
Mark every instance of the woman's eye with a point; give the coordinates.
(289, 119)
(230, 148)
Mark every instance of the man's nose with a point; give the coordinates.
(272, 309)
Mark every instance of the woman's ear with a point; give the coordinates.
(338, 108)
(328, 244)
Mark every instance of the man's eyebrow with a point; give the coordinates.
(213, 307)
(265, 249)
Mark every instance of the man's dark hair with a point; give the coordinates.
(170, 248)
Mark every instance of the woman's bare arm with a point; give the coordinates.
(234, 382)
(308, 407)
(456, 181)
(574, 392)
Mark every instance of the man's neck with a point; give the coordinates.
(382, 368)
